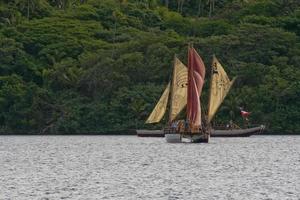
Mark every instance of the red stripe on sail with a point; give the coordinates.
(196, 75)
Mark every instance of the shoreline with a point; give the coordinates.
(116, 133)
(121, 133)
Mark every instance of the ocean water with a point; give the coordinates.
(129, 167)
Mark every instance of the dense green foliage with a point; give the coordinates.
(99, 65)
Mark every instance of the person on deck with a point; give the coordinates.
(245, 116)
(174, 125)
(186, 125)
(230, 125)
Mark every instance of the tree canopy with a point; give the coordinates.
(95, 66)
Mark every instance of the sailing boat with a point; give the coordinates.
(184, 91)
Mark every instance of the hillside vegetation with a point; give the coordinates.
(79, 66)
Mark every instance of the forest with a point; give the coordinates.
(95, 66)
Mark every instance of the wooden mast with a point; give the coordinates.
(210, 87)
(171, 89)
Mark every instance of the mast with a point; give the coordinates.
(171, 89)
(189, 81)
(210, 88)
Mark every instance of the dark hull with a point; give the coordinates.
(237, 132)
(201, 140)
(215, 133)
(150, 133)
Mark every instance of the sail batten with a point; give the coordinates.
(160, 108)
(220, 86)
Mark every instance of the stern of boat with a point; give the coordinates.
(173, 137)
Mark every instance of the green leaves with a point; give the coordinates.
(94, 66)
(16, 101)
(32, 8)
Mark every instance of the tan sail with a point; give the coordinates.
(179, 89)
(220, 86)
(160, 108)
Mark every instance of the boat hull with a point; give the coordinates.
(150, 133)
(238, 132)
(215, 133)
(198, 138)
(173, 137)
(178, 138)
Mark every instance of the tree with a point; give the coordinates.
(33, 8)
(211, 7)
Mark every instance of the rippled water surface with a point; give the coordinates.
(128, 167)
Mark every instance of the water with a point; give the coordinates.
(128, 167)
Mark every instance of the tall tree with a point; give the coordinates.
(27, 6)
(211, 7)
(180, 5)
(167, 3)
(63, 4)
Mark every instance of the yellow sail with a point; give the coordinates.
(160, 108)
(179, 89)
(220, 86)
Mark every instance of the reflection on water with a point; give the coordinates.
(128, 167)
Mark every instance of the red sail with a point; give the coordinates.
(196, 75)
